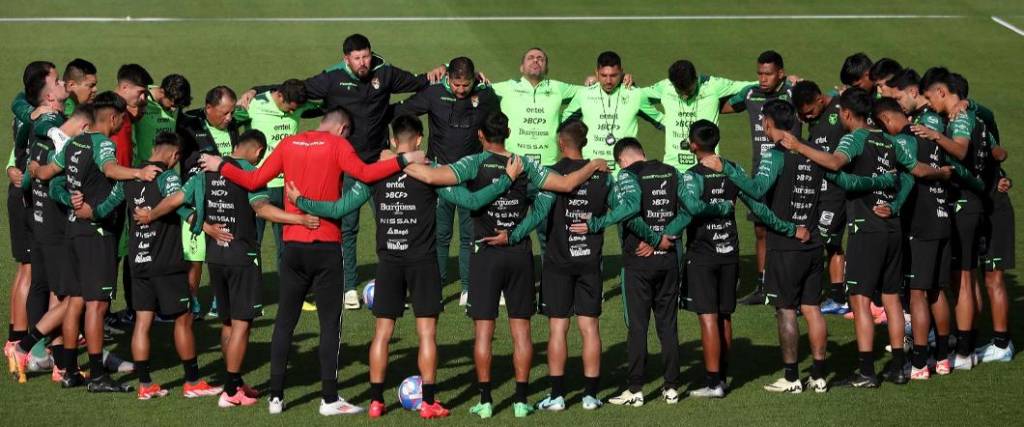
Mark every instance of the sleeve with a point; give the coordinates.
(46, 122)
(857, 183)
(767, 173)
(189, 189)
(318, 86)
(933, 122)
(965, 176)
(535, 172)
(11, 159)
(574, 109)
(627, 203)
(904, 148)
(474, 200)
(650, 113)
(689, 193)
(500, 88)
(568, 90)
(762, 212)
(467, 167)
(962, 126)
(105, 151)
(739, 100)
(538, 212)
(311, 109)
(351, 201)
(640, 228)
(416, 105)
(21, 108)
(261, 194)
(906, 186)
(725, 87)
(59, 190)
(850, 146)
(350, 163)
(185, 210)
(241, 116)
(404, 82)
(653, 91)
(111, 203)
(676, 226)
(255, 179)
(169, 182)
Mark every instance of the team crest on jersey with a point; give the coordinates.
(375, 83)
(475, 100)
(833, 119)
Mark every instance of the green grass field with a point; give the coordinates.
(241, 54)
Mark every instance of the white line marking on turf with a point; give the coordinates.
(1008, 25)
(473, 18)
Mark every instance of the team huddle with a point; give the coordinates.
(905, 164)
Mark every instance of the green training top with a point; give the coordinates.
(154, 120)
(533, 116)
(264, 116)
(610, 117)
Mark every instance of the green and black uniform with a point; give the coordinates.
(502, 269)
(998, 234)
(48, 221)
(19, 199)
(158, 268)
(405, 209)
(610, 117)
(454, 124)
(971, 206)
(752, 99)
(824, 133)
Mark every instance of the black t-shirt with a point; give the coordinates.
(572, 252)
(505, 212)
(154, 249)
(659, 202)
(825, 132)
(229, 204)
(406, 212)
(49, 218)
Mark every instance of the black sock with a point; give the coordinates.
(557, 385)
(191, 370)
(941, 347)
(591, 385)
(723, 367)
(972, 339)
(838, 292)
(485, 391)
(792, 371)
(377, 392)
(429, 393)
(233, 383)
(1001, 339)
(277, 386)
(920, 356)
(818, 369)
(96, 365)
(522, 390)
(142, 368)
(70, 360)
(57, 352)
(30, 340)
(899, 358)
(963, 343)
(711, 379)
(16, 335)
(10, 332)
(867, 363)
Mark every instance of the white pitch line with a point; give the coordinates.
(474, 18)
(1008, 25)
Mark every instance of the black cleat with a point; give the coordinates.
(859, 380)
(72, 380)
(106, 384)
(895, 375)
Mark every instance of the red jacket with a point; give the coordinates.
(315, 162)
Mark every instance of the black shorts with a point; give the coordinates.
(999, 235)
(496, 270)
(94, 261)
(238, 291)
(832, 223)
(564, 294)
(967, 233)
(874, 263)
(52, 267)
(793, 278)
(420, 281)
(928, 263)
(167, 295)
(19, 214)
(711, 288)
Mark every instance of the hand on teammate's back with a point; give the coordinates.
(925, 132)
(292, 192)
(15, 175)
(666, 243)
(210, 162)
(712, 162)
(644, 250)
(514, 167)
(84, 211)
(601, 165)
(148, 173)
(218, 232)
(435, 75)
(579, 228)
(1004, 185)
(802, 234)
(311, 222)
(246, 98)
(883, 211)
(141, 215)
(499, 239)
(945, 173)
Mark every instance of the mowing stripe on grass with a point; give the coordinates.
(1008, 25)
(482, 18)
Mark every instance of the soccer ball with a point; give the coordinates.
(368, 293)
(410, 393)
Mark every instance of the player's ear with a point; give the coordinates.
(480, 133)
(419, 140)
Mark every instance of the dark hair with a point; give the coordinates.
(854, 67)
(609, 59)
(958, 85)
(34, 90)
(355, 42)
(883, 69)
(705, 134)
(495, 127)
(177, 89)
(86, 113)
(856, 100)
(406, 125)
(682, 74)
(134, 74)
(782, 113)
(907, 77)
(932, 76)
(461, 68)
(213, 96)
(626, 144)
(771, 57)
(109, 100)
(337, 114)
(36, 69)
(804, 92)
(885, 104)
(77, 69)
(293, 90)
(252, 136)
(575, 131)
(167, 138)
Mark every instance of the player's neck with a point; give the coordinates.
(534, 80)
(701, 155)
(495, 148)
(572, 154)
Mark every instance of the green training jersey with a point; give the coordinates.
(681, 112)
(533, 116)
(609, 117)
(264, 116)
(221, 138)
(155, 119)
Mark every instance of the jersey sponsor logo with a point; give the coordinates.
(375, 83)
(475, 101)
